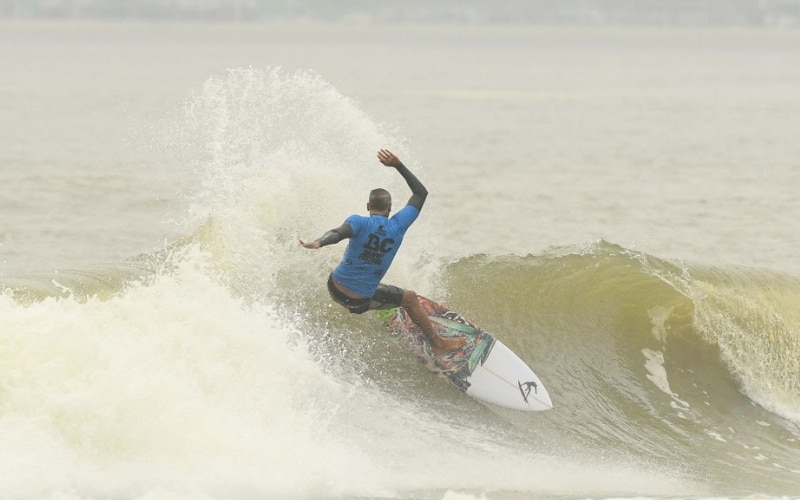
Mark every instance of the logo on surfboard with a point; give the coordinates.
(525, 389)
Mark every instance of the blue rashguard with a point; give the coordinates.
(374, 241)
(372, 249)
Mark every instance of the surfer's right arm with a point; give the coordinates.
(330, 237)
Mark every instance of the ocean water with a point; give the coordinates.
(616, 205)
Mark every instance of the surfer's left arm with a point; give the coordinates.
(330, 237)
(419, 193)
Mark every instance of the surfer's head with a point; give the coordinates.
(380, 201)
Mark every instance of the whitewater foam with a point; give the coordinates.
(158, 386)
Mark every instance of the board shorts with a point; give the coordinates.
(385, 297)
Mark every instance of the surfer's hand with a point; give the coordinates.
(388, 158)
(312, 245)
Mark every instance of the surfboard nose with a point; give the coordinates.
(505, 380)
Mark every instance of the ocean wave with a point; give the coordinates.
(739, 323)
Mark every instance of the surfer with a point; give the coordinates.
(356, 282)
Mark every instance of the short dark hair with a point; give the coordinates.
(379, 199)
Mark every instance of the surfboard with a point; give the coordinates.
(483, 368)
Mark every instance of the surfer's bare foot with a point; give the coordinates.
(445, 344)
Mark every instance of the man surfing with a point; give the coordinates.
(356, 282)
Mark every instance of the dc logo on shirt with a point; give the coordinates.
(376, 248)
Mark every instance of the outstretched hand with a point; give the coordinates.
(312, 244)
(388, 158)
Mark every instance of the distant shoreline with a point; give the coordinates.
(443, 27)
(544, 13)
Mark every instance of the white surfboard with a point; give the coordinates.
(484, 368)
